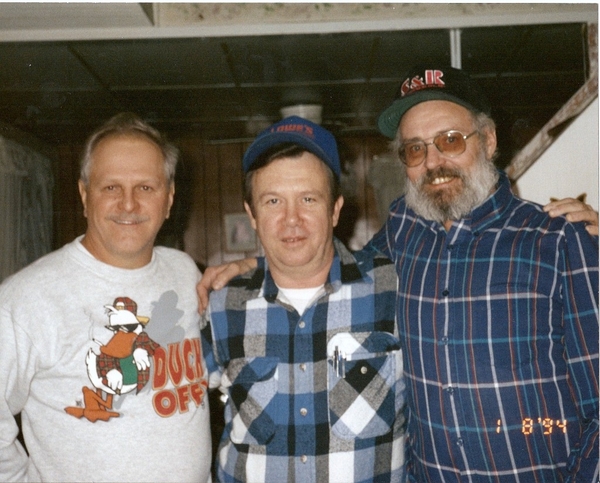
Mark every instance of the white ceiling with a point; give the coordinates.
(18, 18)
(24, 21)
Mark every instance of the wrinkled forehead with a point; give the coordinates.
(130, 151)
(133, 136)
(429, 118)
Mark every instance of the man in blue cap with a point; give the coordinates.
(306, 345)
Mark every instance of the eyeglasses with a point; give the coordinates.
(449, 143)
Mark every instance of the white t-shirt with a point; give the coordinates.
(299, 298)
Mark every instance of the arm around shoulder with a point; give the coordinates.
(215, 278)
(575, 211)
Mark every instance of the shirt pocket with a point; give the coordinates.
(366, 386)
(519, 332)
(252, 384)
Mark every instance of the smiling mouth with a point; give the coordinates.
(129, 222)
(126, 222)
(440, 177)
(441, 180)
(294, 239)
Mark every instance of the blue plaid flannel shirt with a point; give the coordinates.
(498, 319)
(291, 416)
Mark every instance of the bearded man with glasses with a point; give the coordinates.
(497, 302)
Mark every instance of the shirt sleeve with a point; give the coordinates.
(379, 242)
(580, 298)
(206, 335)
(16, 361)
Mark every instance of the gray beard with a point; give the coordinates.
(478, 184)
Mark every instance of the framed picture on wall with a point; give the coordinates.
(239, 234)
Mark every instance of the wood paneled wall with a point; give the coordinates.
(209, 186)
(68, 218)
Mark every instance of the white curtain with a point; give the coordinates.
(25, 206)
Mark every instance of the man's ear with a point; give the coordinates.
(250, 215)
(337, 207)
(491, 143)
(83, 195)
(171, 198)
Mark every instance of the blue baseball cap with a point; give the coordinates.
(315, 139)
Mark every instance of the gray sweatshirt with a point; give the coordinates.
(106, 367)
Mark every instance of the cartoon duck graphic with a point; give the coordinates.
(121, 366)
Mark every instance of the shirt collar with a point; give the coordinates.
(493, 207)
(344, 270)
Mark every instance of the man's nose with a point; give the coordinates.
(292, 216)
(433, 157)
(128, 200)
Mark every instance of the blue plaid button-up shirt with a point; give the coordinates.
(499, 324)
(292, 414)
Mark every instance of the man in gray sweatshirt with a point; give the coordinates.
(99, 340)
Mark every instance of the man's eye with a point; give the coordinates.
(414, 148)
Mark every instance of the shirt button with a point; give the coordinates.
(450, 247)
(445, 293)
(304, 458)
(459, 442)
(450, 390)
(303, 411)
(363, 370)
(302, 324)
(303, 367)
(444, 340)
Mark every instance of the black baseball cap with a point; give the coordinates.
(428, 83)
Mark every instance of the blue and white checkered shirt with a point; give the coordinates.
(499, 325)
(292, 414)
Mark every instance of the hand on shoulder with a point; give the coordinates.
(215, 278)
(575, 211)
